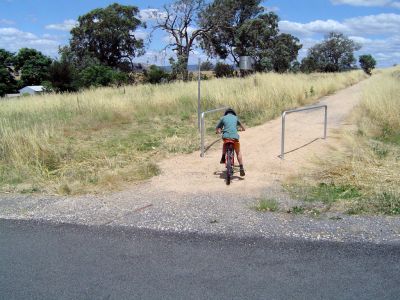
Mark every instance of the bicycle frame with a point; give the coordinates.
(229, 160)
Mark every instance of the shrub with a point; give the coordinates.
(223, 70)
(206, 66)
(156, 75)
(367, 63)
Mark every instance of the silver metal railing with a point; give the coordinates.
(298, 110)
(203, 127)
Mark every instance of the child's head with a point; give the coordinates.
(230, 111)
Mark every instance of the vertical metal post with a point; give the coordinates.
(298, 110)
(326, 122)
(202, 134)
(283, 135)
(199, 96)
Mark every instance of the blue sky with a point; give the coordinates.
(45, 24)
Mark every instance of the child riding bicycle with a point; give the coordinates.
(228, 125)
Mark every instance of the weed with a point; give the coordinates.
(64, 189)
(380, 149)
(264, 205)
(296, 210)
(29, 190)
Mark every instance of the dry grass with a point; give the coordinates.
(366, 174)
(101, 138)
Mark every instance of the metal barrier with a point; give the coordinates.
(203, 127)
(298, 110)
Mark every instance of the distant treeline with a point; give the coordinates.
(104, 44)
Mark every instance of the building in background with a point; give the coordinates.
(32, 90)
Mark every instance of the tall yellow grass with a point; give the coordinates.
(371, 163)
(71, 143)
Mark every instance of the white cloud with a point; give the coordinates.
(13, 39)
(318, 26)
(373, 24)
(391, 3)
(7, 22)
(140, 34)
(67, 25)
(151, 14)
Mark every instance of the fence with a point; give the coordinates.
(203, 127)
(298, 110)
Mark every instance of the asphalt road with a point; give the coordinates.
(47, 261)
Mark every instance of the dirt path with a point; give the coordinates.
(261, 147)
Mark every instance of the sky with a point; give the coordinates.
(375, 24)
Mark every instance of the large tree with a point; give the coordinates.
(7, 81)
(241, 28)
(334, 54)
(33, 66)
(180, 21)
(108, 34)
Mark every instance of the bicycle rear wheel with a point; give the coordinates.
(229, 166)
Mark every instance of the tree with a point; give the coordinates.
(334, 54)
(206, 66)
(223, 70)
(99, 75)
(242, 28)
(8, 83)
(6, 57)
(284, 52)
(108, 35)
(367, 63)
(33, 65)
(61, 76)
(156, 75)
(179, 21)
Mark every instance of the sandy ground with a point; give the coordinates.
(261, 150)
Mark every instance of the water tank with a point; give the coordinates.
(246, 63)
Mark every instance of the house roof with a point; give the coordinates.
(36, 88)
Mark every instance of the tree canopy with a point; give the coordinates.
(179, 21)
(33, 65)
(7, 81)
(334, 54)
(108, 34)
(367, 63)
(242, 27)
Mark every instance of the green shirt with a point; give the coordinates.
(229, 124)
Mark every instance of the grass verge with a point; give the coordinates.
(364, 178)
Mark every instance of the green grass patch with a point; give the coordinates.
(386, 203)
(323, 192)
(264, 205)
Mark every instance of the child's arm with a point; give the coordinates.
(218, 128)
(241, 127)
